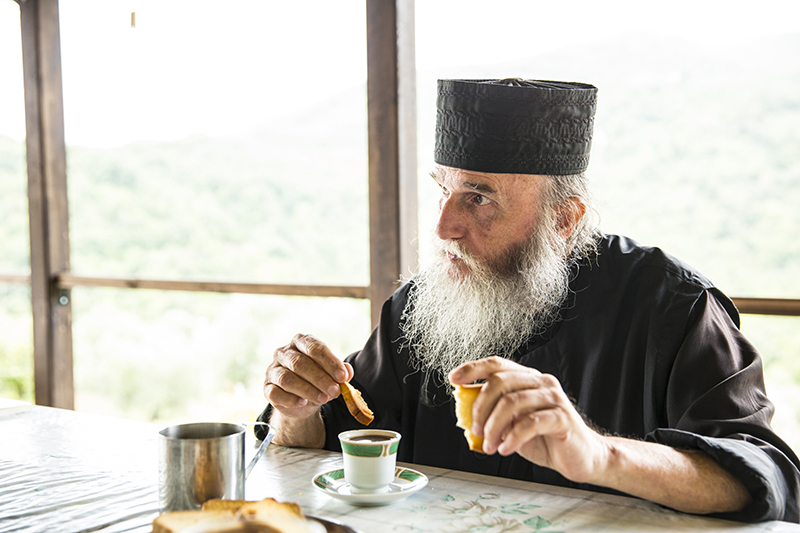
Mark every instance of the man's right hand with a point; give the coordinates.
(303, 375)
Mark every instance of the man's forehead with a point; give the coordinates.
(480, 181)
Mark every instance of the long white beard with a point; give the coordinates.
(493, 310)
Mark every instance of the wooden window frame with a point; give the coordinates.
(391, 101)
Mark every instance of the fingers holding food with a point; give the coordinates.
(303, 375)
(317, 351)
(517, 410)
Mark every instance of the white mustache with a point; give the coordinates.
(457, 250)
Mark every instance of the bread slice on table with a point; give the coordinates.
(230, 506)
(465, 396)
(175, 521)
(265, 516)
(356, 404)
(271, 511)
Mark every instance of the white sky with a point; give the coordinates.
(184, 69)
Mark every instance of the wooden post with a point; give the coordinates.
(47, 199)
(391, 97)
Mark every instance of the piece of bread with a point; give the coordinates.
(268, 508)
(465, 396)
(283, 517)
(356, 404)
(265, 516)
(224, 505)
(175, 521)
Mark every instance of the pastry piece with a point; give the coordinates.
(224, 505)
(356, 404)
(282, 517)
(237, 516)
(269, 508)
(175, 521)
(465, 396)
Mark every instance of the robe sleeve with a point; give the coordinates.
(716, 402)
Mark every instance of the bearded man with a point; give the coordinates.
(607, 365)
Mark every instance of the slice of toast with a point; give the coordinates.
(282, 517)
(269, 507)
(265, 516)
(176, 521)
(465, 396)
(356, 404)
(224, 505)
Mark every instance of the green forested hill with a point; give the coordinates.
(287, 204)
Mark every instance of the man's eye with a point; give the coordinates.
(482, 200)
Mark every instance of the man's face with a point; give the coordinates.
(500, 276)
(486, 218)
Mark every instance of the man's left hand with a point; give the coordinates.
(520, 410)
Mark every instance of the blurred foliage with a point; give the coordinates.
(778, 341)
(169, 356)
(16, 349)
(14, 239)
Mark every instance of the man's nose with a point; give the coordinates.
(451, 224)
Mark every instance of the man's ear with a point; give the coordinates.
(569, 214)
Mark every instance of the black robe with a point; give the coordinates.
(646, 347)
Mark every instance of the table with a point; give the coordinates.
(65, 471)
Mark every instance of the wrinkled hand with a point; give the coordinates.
(303, 375)
(520, 410)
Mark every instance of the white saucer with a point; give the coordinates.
(406, 482)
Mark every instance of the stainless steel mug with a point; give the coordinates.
(202, 461)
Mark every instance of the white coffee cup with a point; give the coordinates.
(370, 456)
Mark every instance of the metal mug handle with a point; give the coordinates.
(262, 448)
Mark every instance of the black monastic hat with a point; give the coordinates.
(515, 126)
